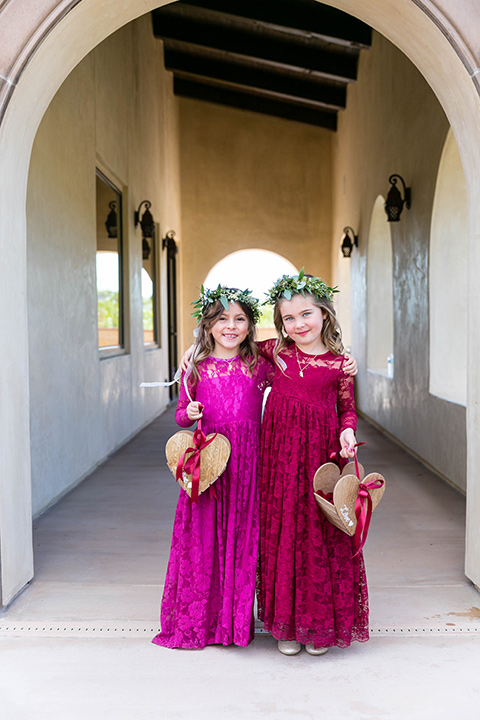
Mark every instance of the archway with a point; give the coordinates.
(257, 270)
(46, 53)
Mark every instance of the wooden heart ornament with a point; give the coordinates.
(212, 459)
(345, 487)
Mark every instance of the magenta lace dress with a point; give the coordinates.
(309, 587)
(210, 583)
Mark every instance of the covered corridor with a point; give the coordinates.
(81, 631)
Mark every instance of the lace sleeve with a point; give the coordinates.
(181, 416)
(347, 414)
(266, 371)
(266, 348)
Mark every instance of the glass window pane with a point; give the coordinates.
(109, 264)
(149, 292)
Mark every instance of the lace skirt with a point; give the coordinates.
(210, 583)
(310, 588)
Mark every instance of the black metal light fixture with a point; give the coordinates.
(146, 249)
(394, 202)
(147, 222)
(349, 241)
(111, 221)
(169, 243)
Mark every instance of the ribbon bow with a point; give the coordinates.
(363, 507)
(191, 465)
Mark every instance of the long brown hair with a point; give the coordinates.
(205, 344)
(331, 334)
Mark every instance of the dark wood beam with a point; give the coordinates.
(176, 22)
(246, 101)
(262, 79)
(301, 16)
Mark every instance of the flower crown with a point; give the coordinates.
(289, 285)
(225, 295)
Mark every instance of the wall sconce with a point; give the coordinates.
(349, 241)
(169, 243)
(394, 202)
(147, 222)
(111, 221)
(146, 249)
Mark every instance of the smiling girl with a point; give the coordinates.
(210, 583)
(311, 590)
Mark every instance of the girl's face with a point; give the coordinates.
(303, 322)
(229, 331)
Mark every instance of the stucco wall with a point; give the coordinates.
(251, 181)
(116, 111)
(394, 124)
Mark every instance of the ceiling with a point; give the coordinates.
(288, 58)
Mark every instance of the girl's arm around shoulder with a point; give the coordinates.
(350, 366)
(266, 347)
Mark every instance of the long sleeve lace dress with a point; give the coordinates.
(210, 583)
(310, 589)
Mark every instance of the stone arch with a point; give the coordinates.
(41, 49)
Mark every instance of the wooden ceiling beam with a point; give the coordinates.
(257, 77)
(246, 101)
(173, 22)
(302, 16)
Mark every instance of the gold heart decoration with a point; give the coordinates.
(213, 458)
(344, 486)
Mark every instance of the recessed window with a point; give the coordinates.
(448, 271)
(380, 293)
(150, 292)
(110, 311)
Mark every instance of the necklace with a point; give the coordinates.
(301, 369)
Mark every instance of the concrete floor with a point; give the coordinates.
(76, 643)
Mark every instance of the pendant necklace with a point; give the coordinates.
(300, 369)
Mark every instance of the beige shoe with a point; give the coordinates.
(315, 651)
(289, 647)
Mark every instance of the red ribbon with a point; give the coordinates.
(363, 507)
(191, 465)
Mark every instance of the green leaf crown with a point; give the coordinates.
(289, 285)
(225, 295)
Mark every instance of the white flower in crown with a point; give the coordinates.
(226, 295)
(289, 285)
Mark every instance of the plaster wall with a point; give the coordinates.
(251, 181)
(115, 111)
(397, 127)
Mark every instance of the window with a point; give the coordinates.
(150, 291)
(110, 310)
(380, 293)
(448, 271)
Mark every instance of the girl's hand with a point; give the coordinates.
(347, 443)
(194, 411)
(184, 362)
(350, 367)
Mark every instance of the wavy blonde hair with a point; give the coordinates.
(331, 334)
(205, 344)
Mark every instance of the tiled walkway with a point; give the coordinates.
(77, 642)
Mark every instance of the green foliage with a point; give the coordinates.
(266, 320)
(108, 309)
(147, 314)
(289, 285)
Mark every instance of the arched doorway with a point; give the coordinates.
(52, 46)
(256, 270)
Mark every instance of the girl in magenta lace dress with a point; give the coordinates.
(210, 583)
(310, 589)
